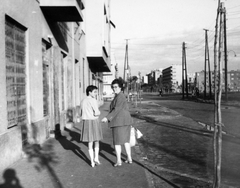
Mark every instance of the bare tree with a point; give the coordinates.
(217, 141)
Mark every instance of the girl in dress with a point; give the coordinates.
(91, 128)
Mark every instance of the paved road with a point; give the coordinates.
(204, 112)
(179, 148)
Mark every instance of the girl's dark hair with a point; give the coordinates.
(90, 89)
(119, 82)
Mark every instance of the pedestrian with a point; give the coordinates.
(91, 130)
(120, 121)
(197, 92)
(160, 92)
(193, 93)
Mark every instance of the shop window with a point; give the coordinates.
(45, 66)
(15, 72)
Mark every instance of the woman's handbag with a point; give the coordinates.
(138, 133)
(78, 119)
(133, 139)
(134, 135)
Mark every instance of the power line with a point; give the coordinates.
(234, 7)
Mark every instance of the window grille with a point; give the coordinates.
(62, 80)
(15, 73)
(45, 80)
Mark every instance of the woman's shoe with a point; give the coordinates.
(128, 161)
(117, 164)
(93, 164)
(97, 162)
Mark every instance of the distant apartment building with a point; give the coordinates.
(145, 79)
(172, 78)
(191, 81)
(151, 78)
(158, 77)
(50, 54)
(234, 80)
(191, 77)
(200, 83)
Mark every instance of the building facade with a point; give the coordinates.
(200, 81)
(172, 79)
(48, 60)
(234, 80)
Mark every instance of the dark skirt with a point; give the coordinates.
(121, 135)
(91, 131)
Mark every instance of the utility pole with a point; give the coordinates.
(126, 68)
(184, 72)
(183, 85)
(225, 55)
(125, 61)
(207, 60)
(140, 87)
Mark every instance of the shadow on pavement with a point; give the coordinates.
(11, 179)
(45, 156)
(68, 145)
(74, 135)
(108, 149)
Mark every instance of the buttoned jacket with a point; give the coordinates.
(119, 114)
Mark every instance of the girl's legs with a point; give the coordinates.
(96, 152)
(118, 150)
(90, 151)
(128, 151)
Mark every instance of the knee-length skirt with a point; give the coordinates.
(121, 135)
(91, 131)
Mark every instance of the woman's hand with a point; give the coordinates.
(104, 120)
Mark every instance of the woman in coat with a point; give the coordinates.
(120, 121)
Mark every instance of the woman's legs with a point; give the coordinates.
(128, 152)
(90, 151)
(118, 150)
(96, 152)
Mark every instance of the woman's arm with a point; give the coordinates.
(119, 105)
(96, 111)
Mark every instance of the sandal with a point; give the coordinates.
(117, 164)
(97, 162)
(128, 161)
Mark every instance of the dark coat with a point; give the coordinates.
(119, 114)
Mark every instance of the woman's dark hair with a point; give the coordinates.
(90, 89)
(118, 82)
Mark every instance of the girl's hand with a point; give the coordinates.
(104, 120)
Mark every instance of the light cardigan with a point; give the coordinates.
(89, 108)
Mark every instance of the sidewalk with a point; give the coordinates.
(64, 163)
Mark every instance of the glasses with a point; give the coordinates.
(114, 87)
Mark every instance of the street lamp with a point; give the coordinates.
(235, 55)
(226, 70)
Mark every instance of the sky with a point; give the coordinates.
(156, 29)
